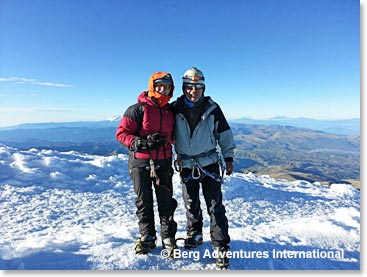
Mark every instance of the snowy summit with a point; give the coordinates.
(67, 210)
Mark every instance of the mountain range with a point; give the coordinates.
(339, 127)
(280, 151)
(297, 153)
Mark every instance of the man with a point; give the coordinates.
(146, 129)
(200, 128)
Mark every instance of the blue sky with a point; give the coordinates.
(72, 60)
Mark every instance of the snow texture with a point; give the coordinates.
(67, 210)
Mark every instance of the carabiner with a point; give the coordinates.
(196, 175)
(153, 173)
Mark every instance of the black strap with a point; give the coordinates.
(196, 157)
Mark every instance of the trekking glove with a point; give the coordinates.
(153, 141)
(156, 140)
(139, 144)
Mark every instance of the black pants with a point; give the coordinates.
(213, 198)
(143, 184)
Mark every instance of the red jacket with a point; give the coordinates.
(144, 118)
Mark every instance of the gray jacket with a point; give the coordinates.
(206, 139)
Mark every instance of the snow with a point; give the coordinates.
(67, 210)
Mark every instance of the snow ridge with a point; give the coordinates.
(68, 210)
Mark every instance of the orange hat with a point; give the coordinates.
(160, 98)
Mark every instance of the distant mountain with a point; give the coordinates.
(347, 127)
(340, 127)
(111, 122)
(286, 152)
(94, 137)
(297, 153)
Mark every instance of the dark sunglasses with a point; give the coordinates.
(197, 86)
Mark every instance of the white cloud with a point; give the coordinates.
(19, 80)
(31, 110)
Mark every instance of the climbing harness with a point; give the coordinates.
(198, 172)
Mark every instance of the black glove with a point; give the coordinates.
(153, 141)
(139, 144)
(156, 140)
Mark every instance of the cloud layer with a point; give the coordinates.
(19, 80)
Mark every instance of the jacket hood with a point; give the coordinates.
(144, 98)
(161, 99)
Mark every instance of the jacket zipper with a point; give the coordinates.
(160, 130)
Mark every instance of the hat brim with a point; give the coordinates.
(169, 82)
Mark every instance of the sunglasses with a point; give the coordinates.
(197, 86)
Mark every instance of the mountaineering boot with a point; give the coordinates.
(221, 257)
(193, 240)
(144, 244)
(170, 245)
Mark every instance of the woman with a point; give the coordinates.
(146, 129)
